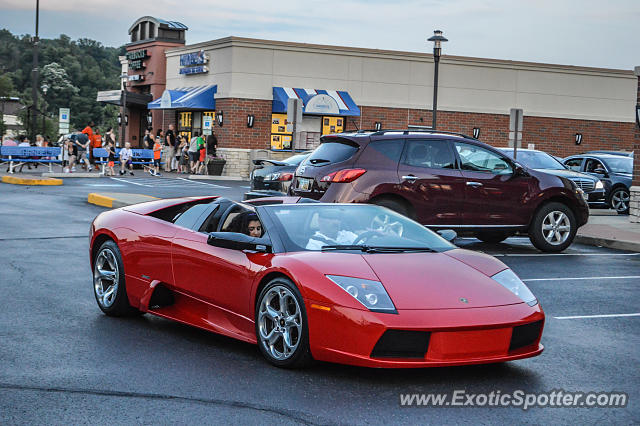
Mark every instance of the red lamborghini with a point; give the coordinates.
(348, 283)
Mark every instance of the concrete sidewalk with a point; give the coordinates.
(609, 229)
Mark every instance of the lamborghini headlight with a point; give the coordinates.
(371, 294)
(509, 280)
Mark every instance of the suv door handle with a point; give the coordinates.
(410, 177)
(474, 184)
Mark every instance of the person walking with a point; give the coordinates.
(194, 155)
(81, 139)
(88, 130)
(170, 144)
(111, 152)
(202, 149)
(212, 144)
(157, 155)
(182, 154)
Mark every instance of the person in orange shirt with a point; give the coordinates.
(97, 143)
(89, 132)
(157, 154)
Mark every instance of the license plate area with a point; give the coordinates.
(304, 184)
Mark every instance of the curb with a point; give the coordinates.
(72, 175)
(117, 200)
(31, 181)
(207, 177)
(608, 243)
(100, 200)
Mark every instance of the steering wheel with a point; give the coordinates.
(386, 224)
(365, 236)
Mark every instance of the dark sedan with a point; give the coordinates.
(272, 178)
(543, 162)
(615, 171)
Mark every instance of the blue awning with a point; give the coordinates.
(200, 97)
(315, 101)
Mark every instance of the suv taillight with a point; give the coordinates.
(343, 176)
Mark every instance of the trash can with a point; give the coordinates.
(215, 166)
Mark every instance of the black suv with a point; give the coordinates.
(444, 181)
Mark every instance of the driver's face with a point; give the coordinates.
(255, 228)
(329, 226)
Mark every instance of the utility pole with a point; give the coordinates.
(35, 72)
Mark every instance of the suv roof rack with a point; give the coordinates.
(418, 130)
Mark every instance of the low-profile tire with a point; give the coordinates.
(394, 205)
(282, 330)
(109, 287)
(619, 200)
(553, 227)
(492, 237)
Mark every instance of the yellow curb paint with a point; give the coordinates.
(31, 181)
(100, 200)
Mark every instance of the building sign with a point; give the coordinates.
(109, 96)
(207, 124)
(193, 58)
(193, 63)
(194, 70)
(136, 57)
(321, 104)
(136, 77)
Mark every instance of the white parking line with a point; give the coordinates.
(630, 277)
(131, 182)
(599, 316)
(204, 183)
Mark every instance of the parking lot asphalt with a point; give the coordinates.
(64, 362)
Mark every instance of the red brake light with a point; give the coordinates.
(343, 176)
(286, 176)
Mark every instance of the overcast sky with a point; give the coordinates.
(571, 32)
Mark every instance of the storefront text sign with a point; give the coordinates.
(321, 104)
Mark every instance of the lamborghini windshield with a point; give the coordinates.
(352, 227)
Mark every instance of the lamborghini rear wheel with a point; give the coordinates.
(281, 325)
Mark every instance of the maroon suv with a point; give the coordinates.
(444, 181)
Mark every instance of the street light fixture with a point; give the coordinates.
(437, 40)
(45, 89)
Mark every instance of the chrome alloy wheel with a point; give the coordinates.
(386, 224)
(280, 322)
(105, 278)
(556, 227)
(620, 200)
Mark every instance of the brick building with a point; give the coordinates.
(244, 86)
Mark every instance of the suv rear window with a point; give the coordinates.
(334, 150)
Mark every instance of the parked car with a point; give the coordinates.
(615, 172)
(272, 178)
(543, 162)
(623, 153)
(444, 181)
(352, 284)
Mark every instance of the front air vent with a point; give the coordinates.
(402, 344)
(525, 335)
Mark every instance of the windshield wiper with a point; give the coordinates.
(319, 160)
(346, 247)
(381, 249)
(377, 249)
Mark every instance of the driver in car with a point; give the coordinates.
(329, 232)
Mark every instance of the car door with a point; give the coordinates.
(574, 163)
(220, 277)
(430, 180)
(494, 195)
(592, 164)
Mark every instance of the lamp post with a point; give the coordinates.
(45, 89)
(123, 120)
(437, 40)
(34, 71)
